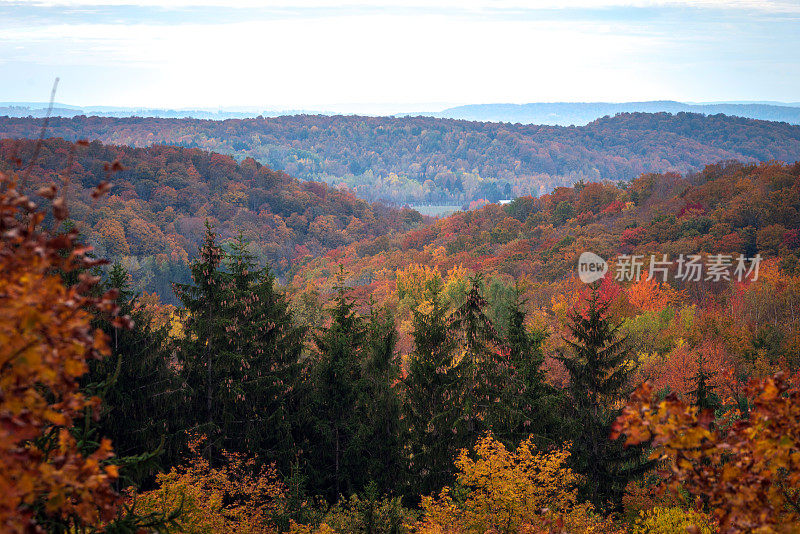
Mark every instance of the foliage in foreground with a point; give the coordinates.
(45, 339)
(504, 491)
(745, 471)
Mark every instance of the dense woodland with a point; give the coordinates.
(448, 376)
(442, 161)
(153, 219)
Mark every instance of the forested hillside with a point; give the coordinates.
(533, 245)
(428, 160)
(729, 207)
(453, 378)
(154, 217)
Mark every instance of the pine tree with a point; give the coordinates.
(600, 372)
(432, 397)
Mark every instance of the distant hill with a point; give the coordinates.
(549, 113)
(425, 160)
(39, 109)
(581, 113)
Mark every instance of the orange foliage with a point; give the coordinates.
(236, 497)
(648, 294)
(45, 339)
(748, 473)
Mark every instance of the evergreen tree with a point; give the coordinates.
(355, 408)
(138, 388)
(703, 393)
(135, 387)
(528, 402)
(335, 457)
(240, 355)
(265, 340)
(483, 368)
(381, 440)
(204, 352)
(432, 397)
(600, 372)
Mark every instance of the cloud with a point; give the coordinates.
(380, 52)
(763, 5)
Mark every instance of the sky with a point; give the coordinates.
(397, 55)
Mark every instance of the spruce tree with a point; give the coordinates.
(269, 346)
(354, 408)
(139, 389)
(703, 392)
(240, 355)
(381, 438)
(600, 373)
(483, 367)
(432, 398)
(207, 369)
(136, 388)
(528, 403)
(335, 457)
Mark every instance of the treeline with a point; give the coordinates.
(428, 160)
(335, 409)
(160, 196)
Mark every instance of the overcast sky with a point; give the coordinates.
(397, 55)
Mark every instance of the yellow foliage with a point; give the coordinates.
(509, 492)
(660, 520)
(233, 498)
(456, 283)
(415, 283)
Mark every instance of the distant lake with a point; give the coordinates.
(436, 210)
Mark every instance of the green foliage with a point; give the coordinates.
(432, 390)
(563, 212)
(140, 392)
(480, 368)
(239, 355)
(600, 371)
(528, 406)
(354, 416)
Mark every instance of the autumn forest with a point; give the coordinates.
(244, 326)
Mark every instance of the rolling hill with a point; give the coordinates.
(424, 160)
(153, 219)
